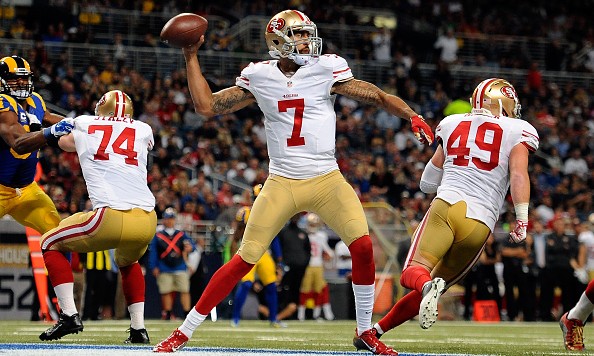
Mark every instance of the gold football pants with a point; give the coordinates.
(329, 196)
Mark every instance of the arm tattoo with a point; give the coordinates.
(230, 100)
(361, 91)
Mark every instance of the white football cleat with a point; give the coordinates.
(428, 308)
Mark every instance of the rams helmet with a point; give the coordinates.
(243, 214)
(281, 41)
(496, 97)
(115, 103)
(12, 69)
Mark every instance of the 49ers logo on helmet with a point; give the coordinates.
(509, 92)
(275, 24)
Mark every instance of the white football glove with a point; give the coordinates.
(519, 233)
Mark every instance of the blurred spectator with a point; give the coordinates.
(314, 285)
(120, 54)
(562, 252)
(381, 180)
(513, 257)
(534, 77)
(576, 164)
(447, 45)
(168, 255)
(100, 285)
(585, 236)
(296, 252)
(382, 45)
(483, 276)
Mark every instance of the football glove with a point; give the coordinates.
(62, 127)
(34, 123)
(519, 233)
(421, 130)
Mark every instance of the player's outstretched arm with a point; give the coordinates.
(66, 143)
(205, 102)
(520, 190)
(21, 141)
(368, 93)
(51, 118)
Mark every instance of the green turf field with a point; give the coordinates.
(445, 337)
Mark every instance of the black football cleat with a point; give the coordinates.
(65, 325)
(139, 336)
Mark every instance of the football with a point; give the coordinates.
(184, 30)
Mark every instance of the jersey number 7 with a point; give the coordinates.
(127, 137)
(462, 151)
(299, 106)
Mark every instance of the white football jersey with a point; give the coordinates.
(113, 158)
(319, 244)
(299, 114)
(476, 168)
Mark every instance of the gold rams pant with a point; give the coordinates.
(30, 206)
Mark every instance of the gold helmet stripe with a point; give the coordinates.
(16, 65)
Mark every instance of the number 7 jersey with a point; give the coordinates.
(476, 168)
(299, 114)
(113, 155)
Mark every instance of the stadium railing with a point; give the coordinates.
(227, 65)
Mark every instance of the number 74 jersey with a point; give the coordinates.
(113, 154)
(477, 148)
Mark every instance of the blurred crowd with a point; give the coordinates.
(202, 166)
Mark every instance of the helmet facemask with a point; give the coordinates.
(496, 97)
(281, 37)
(11, 70)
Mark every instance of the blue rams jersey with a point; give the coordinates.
(19, 170)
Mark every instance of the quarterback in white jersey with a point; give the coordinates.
(480, 155)
(296, 92)
(112, 148)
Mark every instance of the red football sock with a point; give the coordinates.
(133, 283)
(303, 297)
(363, 265)
(590, 291)
(405, 309)
(58, 268)
(414, 277)
(221, 284)
(324, 296)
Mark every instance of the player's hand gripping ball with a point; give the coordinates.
(184, 30)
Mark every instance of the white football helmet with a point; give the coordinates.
(115, 103)
(496, 97)
(280, 40)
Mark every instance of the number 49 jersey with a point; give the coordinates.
(113, 155)
(299, 114)
(476, 168)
